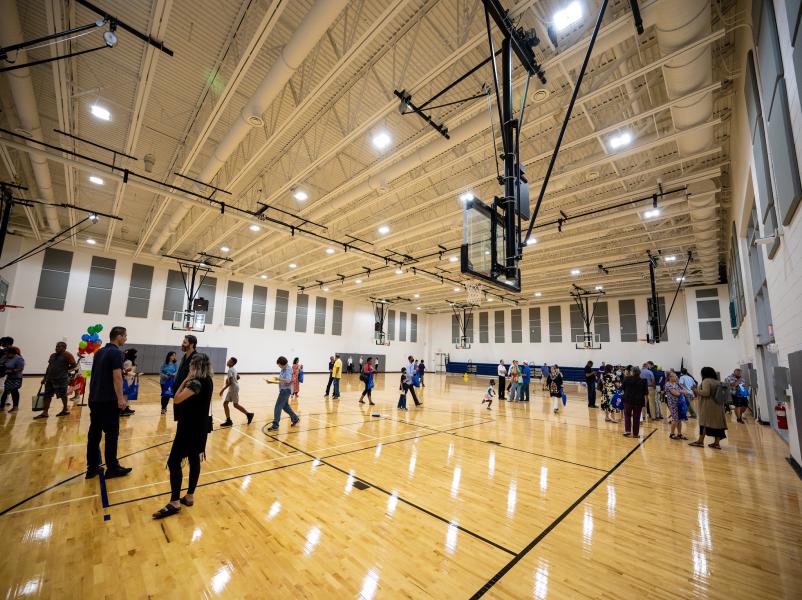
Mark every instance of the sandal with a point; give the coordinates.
(714, 446)
(672, 436)
(186, 502)
(40, 417)
(167, 511)
(681, 437)
(63, 413)
(697, 444)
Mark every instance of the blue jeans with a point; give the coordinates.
(523, 395)
(513, 391)
(283, 403)
(336, 388)
(402, 398)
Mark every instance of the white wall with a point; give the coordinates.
(784, 271)
(683, 334)
(36, 331)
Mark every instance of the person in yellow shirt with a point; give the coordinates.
(336, 375)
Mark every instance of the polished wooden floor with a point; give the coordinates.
(514, 502)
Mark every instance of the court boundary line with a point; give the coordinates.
(531, 545)
(324, 461)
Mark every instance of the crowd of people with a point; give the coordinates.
(625, 392)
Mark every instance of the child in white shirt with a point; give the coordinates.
(490, 392)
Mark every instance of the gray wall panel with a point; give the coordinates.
(54, 279)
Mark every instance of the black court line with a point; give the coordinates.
(450, 432)
(323, 461)
(63, 481)
(500, 445)
(506, 568)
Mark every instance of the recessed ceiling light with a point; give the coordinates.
(619, 141)
(538, 294)
(490, 299)
(357, 281)
(329, 250)
(91, 242)
(540, 95)
(417, 308)
(325, 289)
(292, 265)
(453, 259)
(300, 195)
(599, 288)
(566, 17)
(224, 248)
(416, 296)
(94, 218)
(531, 242)
(263, 276)
(382, 140)
(254, 228)
(100, 112)
(487, 252)
(96, 180)
(398, 271)
(466, 196)
(384, 229)
(671, 258)
(575, 272)
(456, 289)
(650, 214)
(680, 279)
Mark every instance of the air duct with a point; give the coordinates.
(306, 36)
(19, 82)
(678, 24)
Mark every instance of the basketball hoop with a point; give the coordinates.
(475, 293)
(588, 341)
(464, 343)
(189, 320)
(381, 339)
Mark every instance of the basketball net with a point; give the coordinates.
(475, 294)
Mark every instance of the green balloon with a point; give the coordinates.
(98, 328)
(90, 330)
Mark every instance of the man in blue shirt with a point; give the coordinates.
(284, 389)
(106, 400)
(525, 379)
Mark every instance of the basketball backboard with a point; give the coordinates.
(189, 320)
(482, 254)
(588, 341)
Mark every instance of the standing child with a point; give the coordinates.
(167, 379)
(232, 385)
(555, 383)
(296, 377)
(489, 393)
(284, 382)
(404, 387)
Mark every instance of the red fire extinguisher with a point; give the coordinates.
(779, 412)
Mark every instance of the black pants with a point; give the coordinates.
(14, 397)
(328, 385)
(502, 386)
(104, 417)
(411, 388)
(177, 474)
(165, 402)
(591, 392)
(366, 392)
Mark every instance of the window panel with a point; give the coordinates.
(710, 330)
(534, 325)
(516, 334)
(320, 315)
(337, 318)
(577, 323)
(391, 325)
(499, 321)
(258, 307)
(402, 327)
(208, 291)
(282, 308)
(601, 322)
(484, 328)
(54, 279)
(413, 327)
(555, 325)
(101, 282)
(233, 304)
(301, 313)
(139, 291)
(629, 320)
(175, 296)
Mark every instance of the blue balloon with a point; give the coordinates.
(85, 337)
(94, 337)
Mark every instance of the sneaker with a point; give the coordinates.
(250, 417)
(92, 473)
(164, 411)
(120, 471)
(63, 413)
(295, 422)
(228, 423)
(272, 428)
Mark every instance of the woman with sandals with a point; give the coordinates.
(712, 415)
(195, 393)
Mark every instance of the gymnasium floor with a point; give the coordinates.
(514, 501)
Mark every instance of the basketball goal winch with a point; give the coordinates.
(380, 308)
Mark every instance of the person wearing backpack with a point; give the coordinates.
(713, 397)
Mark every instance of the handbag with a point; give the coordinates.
(363, 377)
(38, 400)
(301, 376)
(416, 380)
(565, 399)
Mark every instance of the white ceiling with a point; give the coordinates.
(317, 136)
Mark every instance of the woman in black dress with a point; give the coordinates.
(195, 396)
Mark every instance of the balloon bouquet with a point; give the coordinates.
(89, 344)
